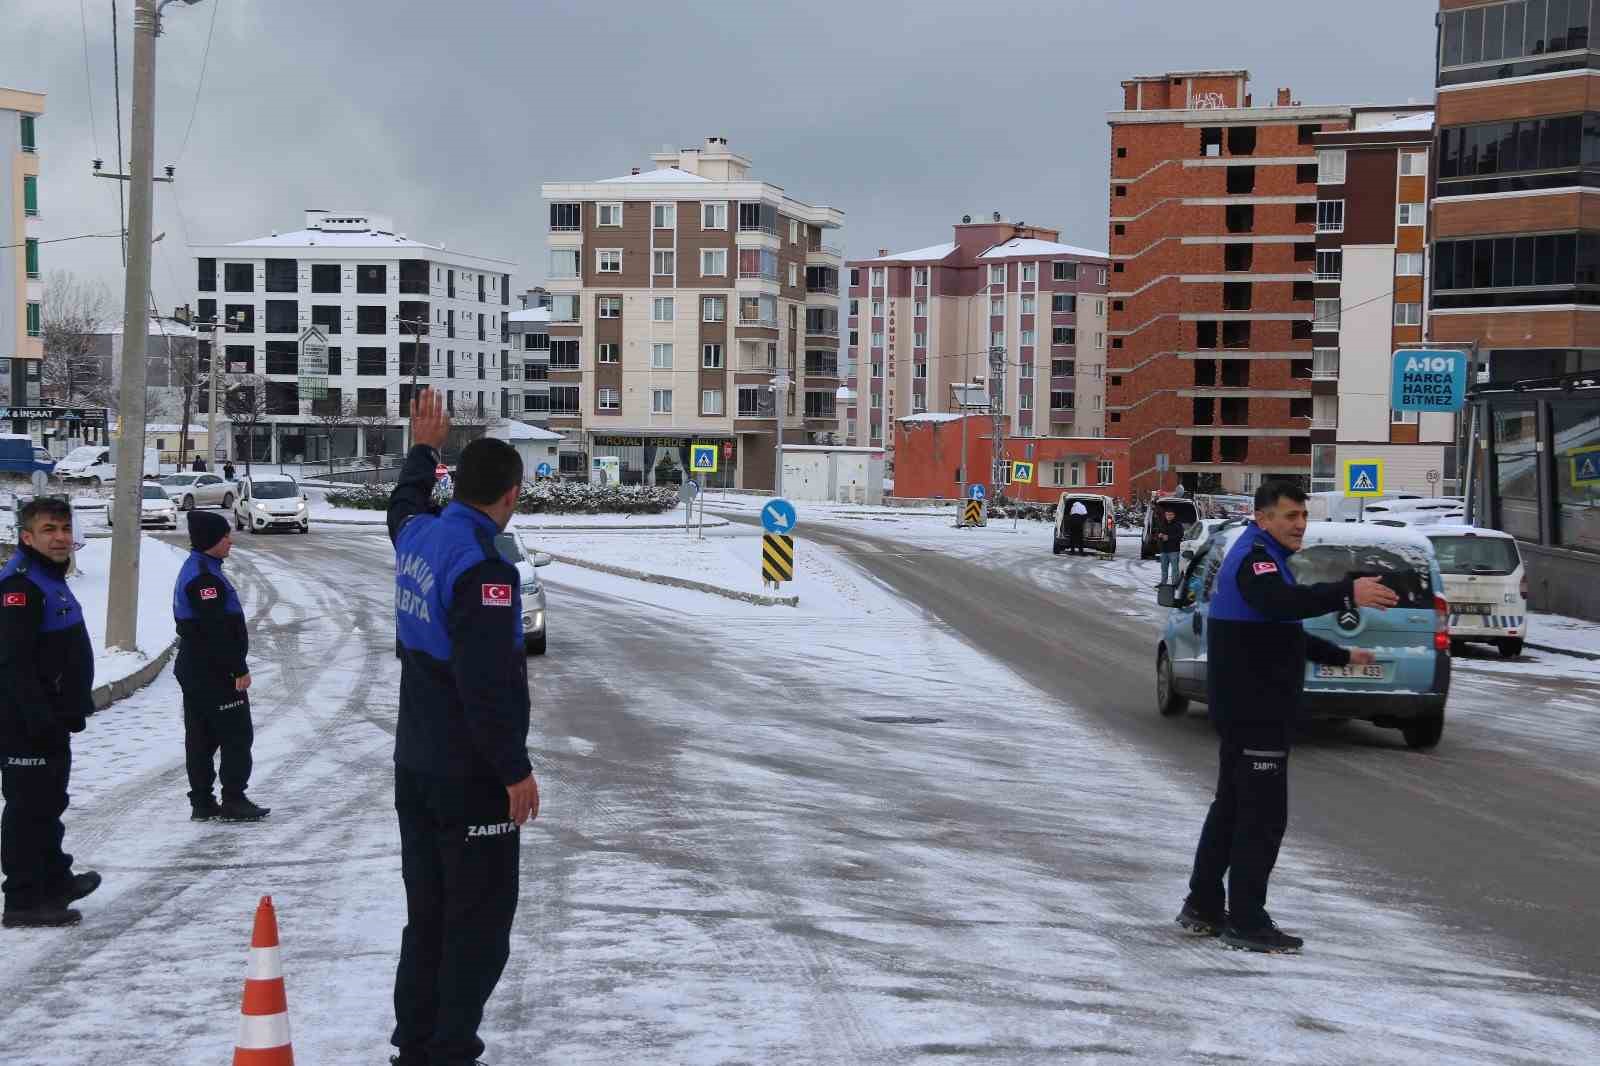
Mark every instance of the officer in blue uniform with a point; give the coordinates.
(463, 782)
(46, 681)
(213, 642)
(1256, 650)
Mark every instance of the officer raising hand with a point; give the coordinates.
(463, 782)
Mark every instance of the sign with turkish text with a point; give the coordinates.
(1429, 380)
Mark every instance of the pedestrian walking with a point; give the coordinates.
(199, 465)
(46, 677)
(227, 471)
(1169, 535)
(1257, 649)
(464, 785)
(213, 671)
(1077, 517)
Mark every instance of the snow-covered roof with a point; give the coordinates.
(272, 477)
(1420, 122)
(654, 177)
(305, 238)
(933, 251)
(1026, 246)
(514, 430)
(1461, 529)
(930, 416)
(531, 314)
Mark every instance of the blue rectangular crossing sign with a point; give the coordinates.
(1363, 477)
(1428, 380)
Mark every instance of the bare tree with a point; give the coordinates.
(75, 312)
(334, 413)
(246, 407)
(375, 423)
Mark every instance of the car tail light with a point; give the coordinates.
(1441, 624)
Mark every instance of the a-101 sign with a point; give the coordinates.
(1429, 380)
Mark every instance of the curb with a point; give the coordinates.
(653, 527)
(1554, 650)
(120, 689)
(678, 582)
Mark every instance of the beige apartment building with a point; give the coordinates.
(21, 291)
(679, 296)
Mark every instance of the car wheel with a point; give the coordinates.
(253, 528)
(1055, 548)
(1423, 733)
(187, 504)
(227, 502)
(306, 528)
(1510, 649)
(1168, 701)
(536, 644)
(1457, 647)
(238, 526)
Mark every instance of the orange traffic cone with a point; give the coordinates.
(264, 1017)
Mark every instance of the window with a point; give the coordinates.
(1029, 304)
(1403, 418)
(326, 278)
(919, 340)
(877, 277)
(372, 279)
(608, 306)
(1063, 335)
(1326, 314)
(608, 260)
(606, 353)
(713, 308)
(1407, 314)
(661, 309)
(711, 356)
(28, 143)
(1412, 214)
(35, 320)
(877, 369)
(372, 362)
(1060, 400)
(536, 342)
(1027, 338)
(664, 216)
(713, 216)
(919, 309)
(750, 402)
(794, 274)
(1063, 303)
(663, 263)
(877, 340)
(794, 232)
(238, 277)
(711, 401)
(566, 218)
(661, 357)
(1330, 167)
(283, 357)
(207, 281)
(608, 399)
(608, 214)
(1408, 264)
(31, 256)
(1107, 470)
(997, 306)
(1063, 368)
(1064, 271)
(564, 263)
(1030, 272)
(563, 400)
(283, 316)
(564, 353)
(283, 275)
(1413, 163)
(713, 262)
(919, 370)
(997, 338)
(1025, 398)
(997, 274)
(1329, 265)
(30, 196)
(919, 276)
(1330, 216)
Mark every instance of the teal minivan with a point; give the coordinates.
(1404, 689)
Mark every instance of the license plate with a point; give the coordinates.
(1371, 672)
(1472, 608)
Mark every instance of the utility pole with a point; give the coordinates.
(417, 325)
(997, 411)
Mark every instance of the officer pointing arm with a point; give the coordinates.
(1262, 584)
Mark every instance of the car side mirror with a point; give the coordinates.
(1167, 596)
(305, 497)
(541, 559)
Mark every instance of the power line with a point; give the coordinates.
(116, 85)
(88, 82)
(204, 56)
(58, 240)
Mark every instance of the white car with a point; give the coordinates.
(155, 508)
(271, 501)
(1485, 585)
(533, 603)
(189, 491)
(1198, 533)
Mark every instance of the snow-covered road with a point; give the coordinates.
(734, 865)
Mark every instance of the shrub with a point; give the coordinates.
(361, 497)
(543, 497)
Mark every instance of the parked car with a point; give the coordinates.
(1200, 532)
(1156, 513)
(97, 464)
(533, 604)
(189, 491)
(1099, 528)
(1405, 689)
(1485, 584)
(19, 455)
(156, 509)
(271, 501)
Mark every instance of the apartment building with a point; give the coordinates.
(922, 325)
(679, 296)
(528, 328)
(21, 291)
(391, 310)
(1213, 205)
(1516, 272)
(1372, 193)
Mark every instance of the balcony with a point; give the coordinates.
(822, 288)
(825, 329)
(768, 228)
(834, 250)
(414, 288)
(821, 369)
(1325, 421)
(755, 361)
(1324, 365)
(759, 273)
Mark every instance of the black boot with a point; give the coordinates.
(204, 810)
(1200, 921)
(80, 885)
(44, 916)
(240, 809)
(1267, 938)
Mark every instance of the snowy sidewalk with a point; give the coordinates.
(1564, 636)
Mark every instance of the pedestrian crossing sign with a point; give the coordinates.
(1022, 473)
(1363, 478)
(1585, 467)
(703, 458)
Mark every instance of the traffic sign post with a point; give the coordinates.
(1585, 470)
(778, 516)
(977, 491)
(542, 470)
(1363, 479)
(1022, 473)
(777, 559)
(686, 494)
(703, 458)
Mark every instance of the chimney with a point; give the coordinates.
(635, 170)
(1283, 97)
(882, 252)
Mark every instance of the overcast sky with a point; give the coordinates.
(448, 115)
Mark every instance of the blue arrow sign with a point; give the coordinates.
(976, 492)
(542, 470)
(778, 516)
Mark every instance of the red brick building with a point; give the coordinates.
(1213, 230)
(928, 450)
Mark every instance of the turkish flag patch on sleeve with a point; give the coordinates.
(497, 595)
(208, 594)
(1265, 568)
(16, 599)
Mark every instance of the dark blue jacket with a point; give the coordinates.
(1256, 646)
(464, 706)
(46, 660)
(213, 639)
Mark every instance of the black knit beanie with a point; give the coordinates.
(206, 529)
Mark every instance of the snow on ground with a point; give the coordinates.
(1569, 634)
(159, 564)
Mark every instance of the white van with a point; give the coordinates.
(1485, 585)
(271, 501)
(97, 464)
